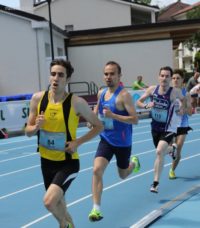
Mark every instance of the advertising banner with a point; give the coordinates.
(13, 115)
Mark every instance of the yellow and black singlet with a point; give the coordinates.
(59, 127)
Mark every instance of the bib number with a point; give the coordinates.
(107, 122)
(159, 115)
(52, 140)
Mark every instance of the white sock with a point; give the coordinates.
(96, 206)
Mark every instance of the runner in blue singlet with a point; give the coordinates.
(182, 131)
(116, 110)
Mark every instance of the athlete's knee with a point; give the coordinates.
(98, 171)
(159, 152)
(48, 203)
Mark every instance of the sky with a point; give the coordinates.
(161, 3)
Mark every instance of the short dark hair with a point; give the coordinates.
(180, 72)
(66, 64)
(116, 64)
(168, 68)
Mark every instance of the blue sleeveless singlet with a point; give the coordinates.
(115, 132)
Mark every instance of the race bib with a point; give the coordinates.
(159, 115)
(107, 122)
(52, 140)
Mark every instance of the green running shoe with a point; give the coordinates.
(69, 225)
(136, 161)
(172, 174)
(95, 215)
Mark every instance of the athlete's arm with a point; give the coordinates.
(35, 121)
(188, 104)
(177, 94)
(148, 92)
(82, 109)
(125, 99)
(96, 107)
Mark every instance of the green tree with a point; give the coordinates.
(194, 41)
(197, 60)
(194, 13)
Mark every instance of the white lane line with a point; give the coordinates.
(92, 141)
(84, 129)
(167, 207)
(20, 147)
(81, 155)
(24, 156)
(105, 189)
(20, 191)
(19, 170)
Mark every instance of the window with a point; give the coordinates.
(60, 51)
(47, 50)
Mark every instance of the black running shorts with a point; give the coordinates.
(61, 173)
(107, 151)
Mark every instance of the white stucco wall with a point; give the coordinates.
(137, 58)
(22, 57)
(87, 14)
(18, 56)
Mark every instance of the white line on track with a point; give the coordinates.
(24, 156)
(19, 170)
(20, 191)
(89, 142)
(81, 155)
(105, 189)
(20, 147)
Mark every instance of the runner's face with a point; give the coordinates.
(164, 78)
(111, 75)
(177, 81)
(58, 78)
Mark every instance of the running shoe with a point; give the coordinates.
(172, 174)
(136, 161)
(154, 188)
(173, 153)
(69, 225)
(95, 215)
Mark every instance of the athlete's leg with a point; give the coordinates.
(158, 164)
(100, 165)
(123, 173)
(55, 203)
(134, 166)
(67, 216)
(180, 139)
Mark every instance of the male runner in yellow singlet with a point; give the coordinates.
(54, 116)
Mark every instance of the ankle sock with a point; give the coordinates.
(155, 183)
(96, 207)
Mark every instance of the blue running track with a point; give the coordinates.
(125, 203)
